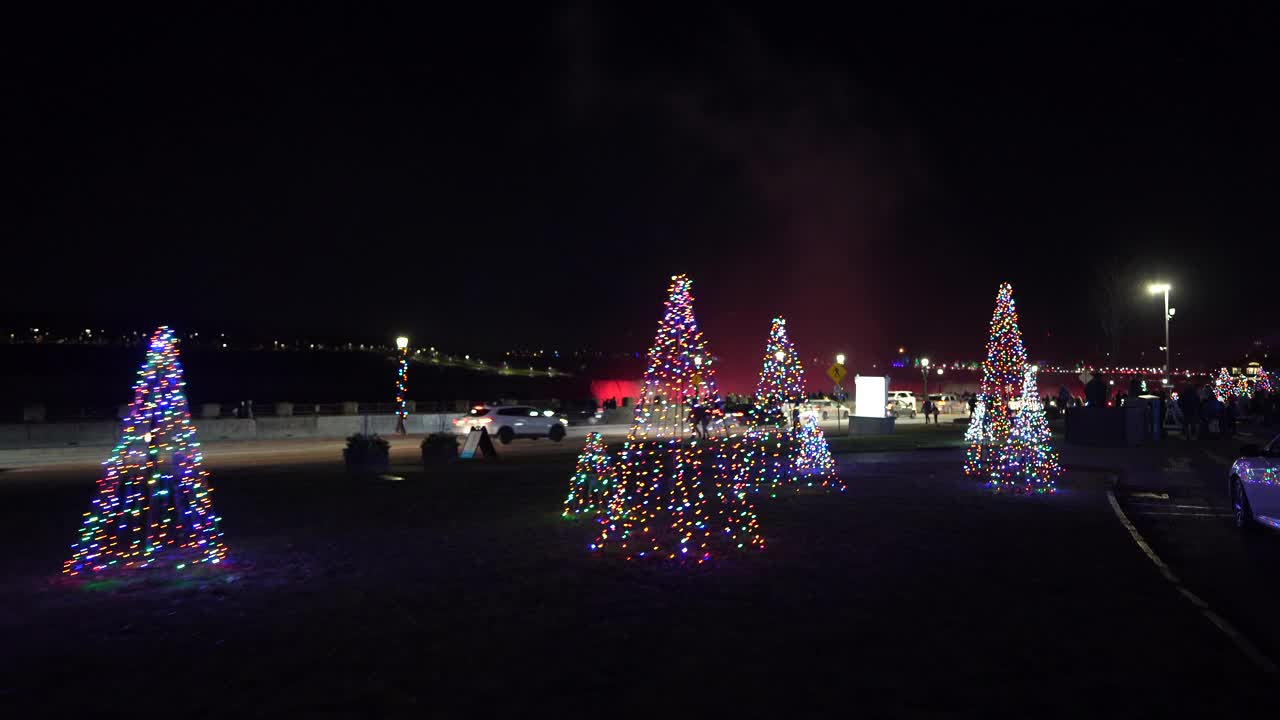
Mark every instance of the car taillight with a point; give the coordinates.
(457, 421)
(485, 421)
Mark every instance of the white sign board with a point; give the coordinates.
(870, 395)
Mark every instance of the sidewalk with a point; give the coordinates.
(292, 449)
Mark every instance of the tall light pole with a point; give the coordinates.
(839, 394)
(402, 399)
(924, 373)
(1156, 288)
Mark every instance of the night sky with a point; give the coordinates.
(501, 180)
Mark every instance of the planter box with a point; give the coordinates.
(439, 451)
(371, 462)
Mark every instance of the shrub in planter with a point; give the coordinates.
(367, 452)
(439, 447)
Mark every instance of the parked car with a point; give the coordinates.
(905, 400)
(1254, 486)
(582, 414)
(823, 408)
(895, 408)
(740, 414)
(949, 403)
(511, 422)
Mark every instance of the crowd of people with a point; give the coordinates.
(1201, 413)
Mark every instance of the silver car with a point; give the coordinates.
(1254, 486)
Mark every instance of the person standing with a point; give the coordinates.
(1095, 393)
(1189, 402)
(928, 410)
(936, 411)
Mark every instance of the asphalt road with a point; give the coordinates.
(462, 592)
(1179, 504)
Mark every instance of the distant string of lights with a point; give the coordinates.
(1230, 385)
(153, 503)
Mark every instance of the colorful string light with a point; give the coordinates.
(153, 503)
(591, 482)
(402, 394)
(676, 497)
(1227, 385)
(1008, 435)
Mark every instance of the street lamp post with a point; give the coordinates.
(924, 373)
(402, 396)
(1168, 313)
(839, 393)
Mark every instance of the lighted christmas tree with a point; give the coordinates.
(1228, 385)
(1029, 454)
(781, 377)
(153, 506)
(589, 487)
(1010, 461)
(680, 375)
(813, 465)
(676, 496)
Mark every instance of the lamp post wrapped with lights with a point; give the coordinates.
(402, 397)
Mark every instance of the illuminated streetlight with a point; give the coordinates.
(1156, 289)
(840, 358)
(924, 373)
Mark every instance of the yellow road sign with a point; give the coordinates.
(837, 373)
(696, 379)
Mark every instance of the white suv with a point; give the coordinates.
(905, 399)
(511, 422)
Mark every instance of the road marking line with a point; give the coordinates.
(1183, 514)
(1218, 458)
(1162, 505)
(1263, 662)
(1152, 495)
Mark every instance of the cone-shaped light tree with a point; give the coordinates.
(153, 504)
(781, 376)
(589, 487)
(813, 465)
(1010, 455)
(680, 373)
(1030, 452)
(677, 497)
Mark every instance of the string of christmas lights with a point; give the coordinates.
(591, 482)
(1006, 445)
(153, 503)
(402, 394)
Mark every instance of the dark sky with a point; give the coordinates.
(510, 180)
